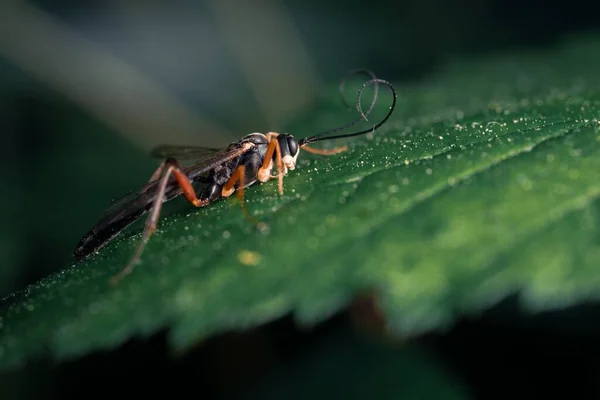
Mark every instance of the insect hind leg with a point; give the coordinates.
(171, 168)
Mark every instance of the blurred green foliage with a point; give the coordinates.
(61, 162)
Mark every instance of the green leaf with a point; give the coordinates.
(484, 183)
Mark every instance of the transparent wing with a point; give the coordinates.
(127, 209)
(183, 152)
(192, 171)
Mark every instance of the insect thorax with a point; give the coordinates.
(257, 138)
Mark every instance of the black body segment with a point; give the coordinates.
(252, 160)
(292, 145)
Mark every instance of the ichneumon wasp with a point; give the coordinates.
(222, 171)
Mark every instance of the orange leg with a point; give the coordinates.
(325, 152)
(264, 173)
(172, 168)
(238, 178)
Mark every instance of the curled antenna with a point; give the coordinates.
(371, 76)
(323, 136)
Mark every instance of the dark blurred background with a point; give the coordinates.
(87, 87)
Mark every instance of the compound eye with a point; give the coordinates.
(292, 145)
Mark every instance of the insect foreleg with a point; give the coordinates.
(264, 172)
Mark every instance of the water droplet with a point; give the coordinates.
(312, 243)
(321, 230)
(525, 182)
(575, 152)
